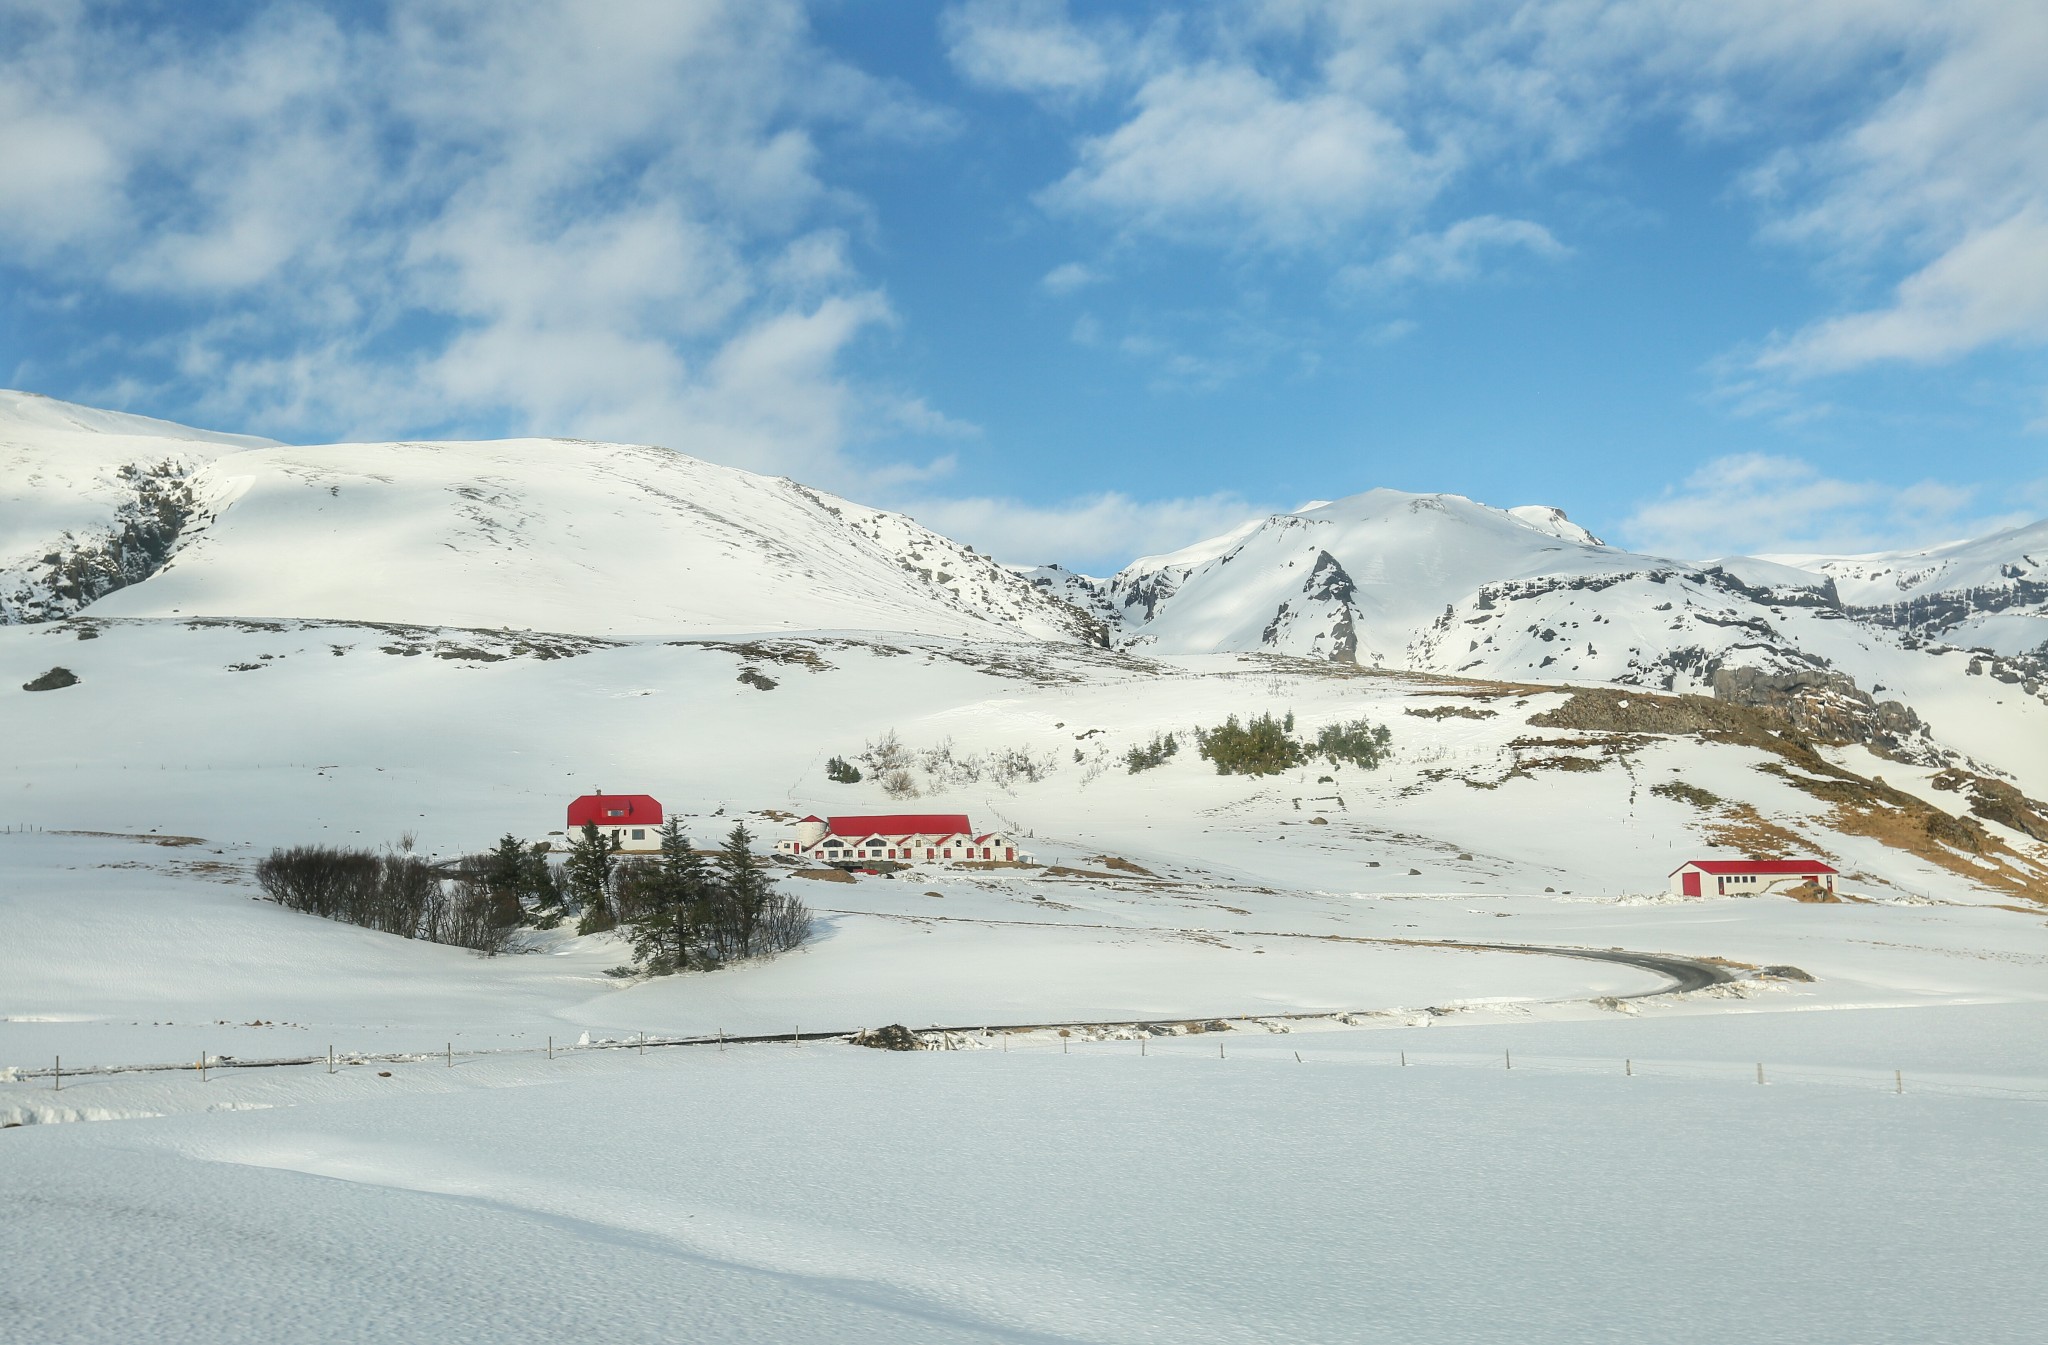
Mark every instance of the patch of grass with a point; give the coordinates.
(1678, 791)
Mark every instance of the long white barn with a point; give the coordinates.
(901, 838)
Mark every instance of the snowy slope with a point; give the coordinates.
(601, 539)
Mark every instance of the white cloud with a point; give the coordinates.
(1029, 46)
(1068, 277)
(1752, 503)
(1455, 254)
(1990, 288)
(601, 217)
(1092, 533)
(1220, 151)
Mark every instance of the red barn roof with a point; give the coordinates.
(901, 824)
(615, 810)
(1756, 866)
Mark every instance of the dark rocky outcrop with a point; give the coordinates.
(54, 680)
(894, 1037)
(79, 570)
(1824, 706)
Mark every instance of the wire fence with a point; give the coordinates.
(1257, 1040)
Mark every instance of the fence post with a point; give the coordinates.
(1759, 1071)
(1219, 1050)
(1404, 1060)
(330, 1057)
(1510, 1057)
(643, 1043)
(451, 1055)
(1898, 1081)
(202, 1067)
(1628, 1067)
(60, 1074)
(551, 1048)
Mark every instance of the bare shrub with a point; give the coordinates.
(395, 893)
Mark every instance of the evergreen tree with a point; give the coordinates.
(588, 870)
(744, 889)
(503, 878)
(671, 901)
(539, 884)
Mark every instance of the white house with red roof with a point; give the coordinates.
(1748, 877)
(900, 838)
(629, 821)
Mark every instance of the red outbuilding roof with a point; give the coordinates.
(1719, 866)
(616, 810)
(901, 824)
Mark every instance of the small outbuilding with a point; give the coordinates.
(630, 820)
(1749, 877)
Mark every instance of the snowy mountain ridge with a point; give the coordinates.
(558, 535)
(127, 517)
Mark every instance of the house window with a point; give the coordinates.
(930, 853)
(615, 812)
(639, 833)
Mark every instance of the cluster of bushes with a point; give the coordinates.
(906, 773)
(1267, 746)
(1154, 753)
(840, 771)
(679, 909)
(396, 892)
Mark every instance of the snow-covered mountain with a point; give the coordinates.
(137, 518)
(1388, 579)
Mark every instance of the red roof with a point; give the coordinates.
(901, 824)
(1756, 866)
(616, 810)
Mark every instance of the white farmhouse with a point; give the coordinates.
(902, 838)
(1748, 877)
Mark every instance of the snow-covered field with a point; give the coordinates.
(775, 1193)
(1258, 1165)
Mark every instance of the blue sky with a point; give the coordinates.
(1077, 281)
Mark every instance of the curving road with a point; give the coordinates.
(1684, 973)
